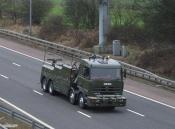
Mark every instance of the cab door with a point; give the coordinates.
(84, 77)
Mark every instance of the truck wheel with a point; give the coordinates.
(51, 88)
(111, 108)
(72, 99)
(44, 85)
(81, 101)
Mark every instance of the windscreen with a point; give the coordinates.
(105, 74)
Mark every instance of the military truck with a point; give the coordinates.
(94, 82)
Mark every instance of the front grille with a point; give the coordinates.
(104, 90)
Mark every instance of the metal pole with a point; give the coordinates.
(30, 28)
(103, 22)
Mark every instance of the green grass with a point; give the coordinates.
(57, 9)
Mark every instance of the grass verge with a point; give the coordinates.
(11, 123)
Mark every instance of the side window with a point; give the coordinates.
(84, 72)
(81, 70)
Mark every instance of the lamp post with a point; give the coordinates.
(30, 27)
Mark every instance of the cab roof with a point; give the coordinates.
(98, 62)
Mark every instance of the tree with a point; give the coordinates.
(1, 8)
(82, 13)
(40, 9)
(160, 19)
(9, 9)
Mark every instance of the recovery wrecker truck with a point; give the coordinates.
(94, 82)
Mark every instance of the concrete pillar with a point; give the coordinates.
(116, 48)
(124, 51)
(103, 22)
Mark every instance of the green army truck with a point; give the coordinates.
(94, 82)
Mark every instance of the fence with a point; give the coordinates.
(78, 54)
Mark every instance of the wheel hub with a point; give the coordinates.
(72, 97)
(50, 89)
(44, 86)
(81, 101)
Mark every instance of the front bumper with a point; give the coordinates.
(106, 101)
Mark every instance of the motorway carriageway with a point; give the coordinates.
(19, 85)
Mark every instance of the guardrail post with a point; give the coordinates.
(12, 114)
(33, 124)
(135, 74)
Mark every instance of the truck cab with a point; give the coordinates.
(101, 83)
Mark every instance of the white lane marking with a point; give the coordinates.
(37, 92)
(155, 101)
(4, 76)
(124, 90)
(135, 112)
(27, 114)
(84, 114)
(16, 64)
(21, 53)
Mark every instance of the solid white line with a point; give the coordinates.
(27, 114)
(135, 113)
(4, 76)
(124, 90)
(37, 92)
(21, 53)
(16, 64)
(149, 99)
(84, 114)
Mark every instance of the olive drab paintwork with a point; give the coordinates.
(94, 83)
(59, 75)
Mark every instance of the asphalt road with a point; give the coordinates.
(19, 84)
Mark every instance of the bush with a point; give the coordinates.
(86, 39)
(125, 12)
(158, 60)
(129, 34)
(52, 27)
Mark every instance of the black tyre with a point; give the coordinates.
(72, 97)
(44, 85)
(81, 101)
(111, 108)
(51, 88)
